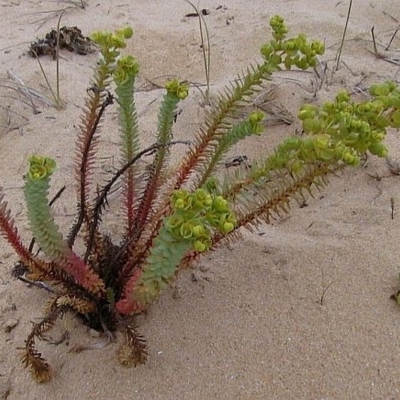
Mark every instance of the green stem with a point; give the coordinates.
(46, 232)
(161, 265)
(129, 143)
(165, 122)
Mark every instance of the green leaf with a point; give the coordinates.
(395, 119)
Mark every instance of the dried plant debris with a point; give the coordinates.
(204, 12)
(392, 57)
(236, 161)
(71, 38)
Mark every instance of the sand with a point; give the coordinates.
(300, 309)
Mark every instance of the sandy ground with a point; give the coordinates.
(299, 310)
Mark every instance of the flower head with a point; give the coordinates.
(40, 167)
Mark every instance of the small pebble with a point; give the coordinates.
(93, 333)
(10, 324)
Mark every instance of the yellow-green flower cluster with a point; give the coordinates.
(295, 152)
(297, 51)
(255, 119)
(126, 68)
(196, 214)
(338, 131)
(341, 130)
(278, 26)
(177, 89)
(354, 128)
(110, 43)
(109, 40)
(387, 96)
(40, 167)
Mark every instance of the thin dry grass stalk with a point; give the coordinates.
(29, 95)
